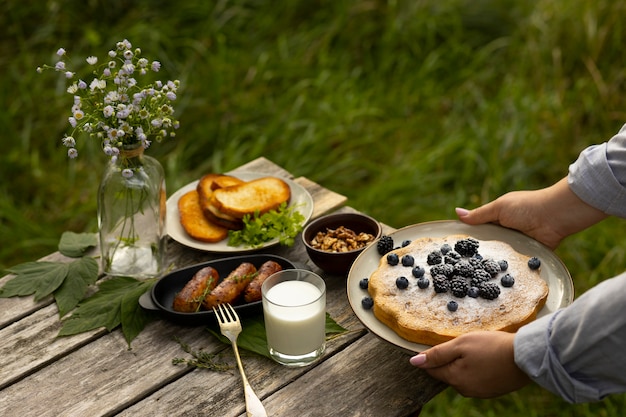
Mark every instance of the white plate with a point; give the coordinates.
(553, 271)
(299, 197)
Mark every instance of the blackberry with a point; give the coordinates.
(459, 287)
(402, 283)
(367, 303)
(392, 259)
(466, 247)
(534, 263)
(408, 260)
(406, 243)
(489, 290)
(441, 284)
(384, 245)
(507, 281)
(464, 269)
(445, 248)
(453, 305)
(473, 292)
(475, 261)
(364, 283)
(492, 267)
(434, 258)
(504, 265)
(480, 276)
(423, 283)
(418, 271)
(452, 258)
(442, 269)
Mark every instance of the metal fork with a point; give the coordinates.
(230, 326)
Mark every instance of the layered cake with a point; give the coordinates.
(434, 289)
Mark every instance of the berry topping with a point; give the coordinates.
(408, 260)
(392, 259)
(480, 276)
(367, 303)
(466, 247)
(453, 305)
(434, 258)
(491, 266)
(441, 284)
(459, 287)
(504, 265)
(534, 263)
(442, 269)
(418, 271)
(445, 248)
(364, 283)
(452, 258)
(384, 245)
(402, 283)
(423, 283)
(507, 281)
(489, 290)
(464, 269)
(473, 292)
(406, 243)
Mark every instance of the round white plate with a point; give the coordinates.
(553, 271)
(299, 197)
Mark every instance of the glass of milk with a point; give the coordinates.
(294, 308)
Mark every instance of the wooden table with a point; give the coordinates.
(96, 374)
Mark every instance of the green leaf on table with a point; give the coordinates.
(82, 273)
(252, 336)
(115, 304)
(38, 278)
(76, 245)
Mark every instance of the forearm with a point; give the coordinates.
(577, 352)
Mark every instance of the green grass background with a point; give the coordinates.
(408, 107)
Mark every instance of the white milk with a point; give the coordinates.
(294, 320)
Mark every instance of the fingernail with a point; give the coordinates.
(418, 360)
(461, 212)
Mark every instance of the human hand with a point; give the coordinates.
(547, 215)
(477, 364)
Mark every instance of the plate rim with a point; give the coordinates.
(516, 239)
(178, 234)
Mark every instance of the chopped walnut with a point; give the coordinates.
(340, 239)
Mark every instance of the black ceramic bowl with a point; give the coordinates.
(338, 263)
(161, 297)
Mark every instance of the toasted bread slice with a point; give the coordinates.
(205, 187)
(262, 195)
(194, 222)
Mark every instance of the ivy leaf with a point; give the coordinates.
(76, 245)
(81, 273)
(253, 337)
(116, 303)
(39, 278)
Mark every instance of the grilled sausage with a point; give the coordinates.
(229, 290)
(188, 300)
(253, 290)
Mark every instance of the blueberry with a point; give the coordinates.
(504, 265)
(418, 271)
(408, 260)
(534, 263)
(473, 292)
(445, 248)
(364, 283)
(423, 283)
(402, 283)
(453, 305)
(367, 303)
(392, 259)
(507, 280)
(406, 243)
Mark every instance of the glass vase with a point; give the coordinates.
(131, 215)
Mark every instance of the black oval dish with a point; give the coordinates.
(161, 297)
